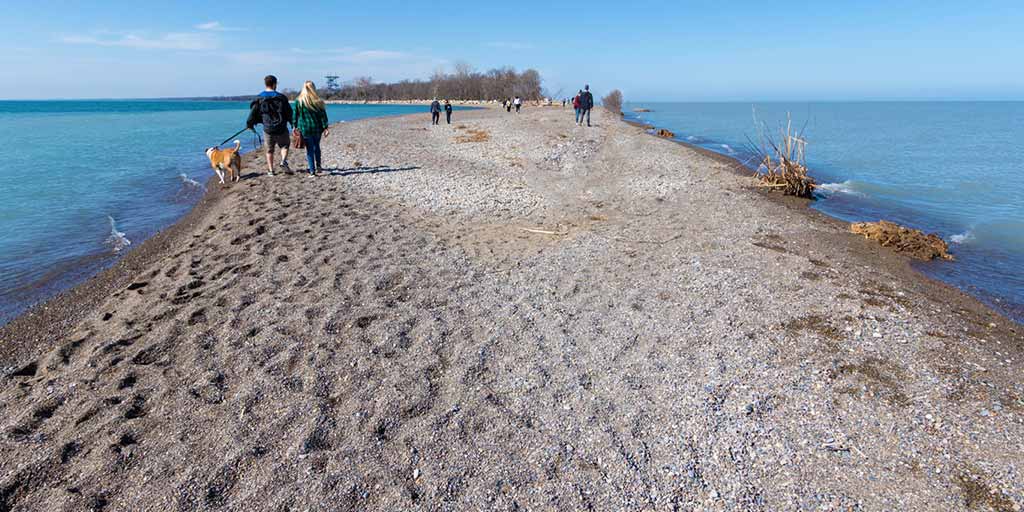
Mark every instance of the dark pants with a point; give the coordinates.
(585, 112)
(435, 117)
(517, 108)
(448, 116)
(313, 153)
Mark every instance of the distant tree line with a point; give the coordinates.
(463, 83)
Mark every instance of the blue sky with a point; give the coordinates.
(665, 50)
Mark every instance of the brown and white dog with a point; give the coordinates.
(226, 160)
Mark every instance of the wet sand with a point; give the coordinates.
(509, 313)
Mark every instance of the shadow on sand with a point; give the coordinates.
(368, 170)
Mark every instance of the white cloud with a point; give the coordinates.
(506, 45)
(371, 55)
(351, 55)
(170, 41)
(215, 26)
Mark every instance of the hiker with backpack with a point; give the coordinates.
(272, 110)
(586, 103)
(435, 112)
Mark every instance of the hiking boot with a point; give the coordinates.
(270, 173)
(286, 168)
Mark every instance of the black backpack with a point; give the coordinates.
(272, 111)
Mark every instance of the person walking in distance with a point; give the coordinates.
(311, 121)
(448, 111)
(518, 102)
(272, 110)
(435, 112)
(586, 103)
(576, 106)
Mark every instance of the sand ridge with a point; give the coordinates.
(389, 336)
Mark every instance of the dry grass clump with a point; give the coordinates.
(782, 164)
(473, 135)
(665, 133)
(913, 242)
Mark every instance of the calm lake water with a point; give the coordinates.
(953, 168)
(83, 181)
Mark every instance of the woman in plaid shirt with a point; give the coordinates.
(310, 119)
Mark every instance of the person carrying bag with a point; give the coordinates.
(310, 124)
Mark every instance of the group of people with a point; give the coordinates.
(582, 103)
(435, 111)
(510, 103)
(307, 117)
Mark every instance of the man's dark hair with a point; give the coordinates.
(270, 81)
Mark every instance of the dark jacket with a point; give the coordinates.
(586, 100)
(448, 108)
(272, 110)
(435, 107)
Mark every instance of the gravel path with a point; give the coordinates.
(660, 336)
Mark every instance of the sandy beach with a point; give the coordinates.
(510, 313)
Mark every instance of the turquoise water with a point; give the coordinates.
(83, 181)
(953, 168)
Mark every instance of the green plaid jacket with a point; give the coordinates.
(310, 122)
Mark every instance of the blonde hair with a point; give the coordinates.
(309, 99)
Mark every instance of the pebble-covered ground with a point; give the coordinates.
(515, 313)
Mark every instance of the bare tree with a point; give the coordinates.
(613, 101)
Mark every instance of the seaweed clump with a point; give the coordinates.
(912, 242)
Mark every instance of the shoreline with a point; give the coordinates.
(52, 318)
(538, 304)
(742, 170)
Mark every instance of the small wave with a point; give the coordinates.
(962, 238)
(845, 187)
(190, 183)
(117, 241)
(728, 149)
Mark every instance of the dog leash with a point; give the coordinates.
(239, 132)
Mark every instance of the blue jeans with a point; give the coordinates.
(312, 152)
(577, 116)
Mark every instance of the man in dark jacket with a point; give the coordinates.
(435, 112)
(586, 103)
(272, 110)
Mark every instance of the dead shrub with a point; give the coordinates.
(613, 101)
(782, 164)
(913, 242)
